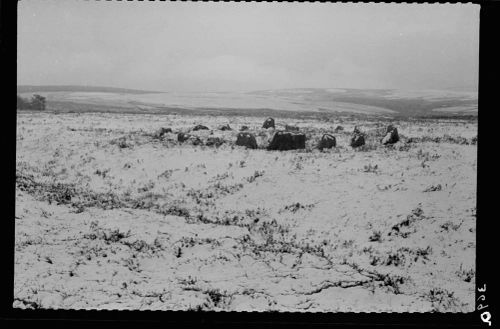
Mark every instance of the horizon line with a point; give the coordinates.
(459, 89)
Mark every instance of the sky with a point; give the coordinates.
(229, 46)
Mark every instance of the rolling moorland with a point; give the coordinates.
(300, 103)
(111, 214)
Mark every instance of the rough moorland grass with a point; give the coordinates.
(443, 300)
(404, 228)
(113, 236)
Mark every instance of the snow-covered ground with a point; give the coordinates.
(108, 216)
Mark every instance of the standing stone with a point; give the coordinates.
(181, 137)
(200, 127)
(269, 123)
(246, 139)
(163, 131)
(327, 142)
(225, 127)
(283, 141)
(214, 141)
(391, 135)
(357, 140)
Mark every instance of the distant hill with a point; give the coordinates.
(321, 101)
(31, 89)
(407, 103)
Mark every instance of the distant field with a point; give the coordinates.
(293, 102)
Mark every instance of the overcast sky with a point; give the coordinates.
(183, 46)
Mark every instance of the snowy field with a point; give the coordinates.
(111, 216)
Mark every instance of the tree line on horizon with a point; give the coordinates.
(36, 103)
